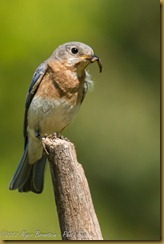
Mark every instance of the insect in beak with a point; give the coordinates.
(98, 60)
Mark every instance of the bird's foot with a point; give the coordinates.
(60, 136)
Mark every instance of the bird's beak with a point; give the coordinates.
(98, 60)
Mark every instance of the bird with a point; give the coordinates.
(56, 92)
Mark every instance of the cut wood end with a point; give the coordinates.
(54, 141)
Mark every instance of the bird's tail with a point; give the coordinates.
(29, 177)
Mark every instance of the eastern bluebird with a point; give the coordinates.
(56, 92)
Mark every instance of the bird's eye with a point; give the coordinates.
(74, 50)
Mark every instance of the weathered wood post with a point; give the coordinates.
(77, 217)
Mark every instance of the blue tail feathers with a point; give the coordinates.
(29, 177)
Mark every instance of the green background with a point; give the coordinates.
(117, 131)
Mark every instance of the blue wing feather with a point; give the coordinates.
(40, 71)
(37, 77)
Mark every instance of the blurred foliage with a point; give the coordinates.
(117, 131)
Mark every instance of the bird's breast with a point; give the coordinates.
(50, 115)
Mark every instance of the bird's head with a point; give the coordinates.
(77, 55)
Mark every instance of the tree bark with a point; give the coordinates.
(77, 217)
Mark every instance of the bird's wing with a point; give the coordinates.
(37, 78)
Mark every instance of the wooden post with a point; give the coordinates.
(77, 217)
